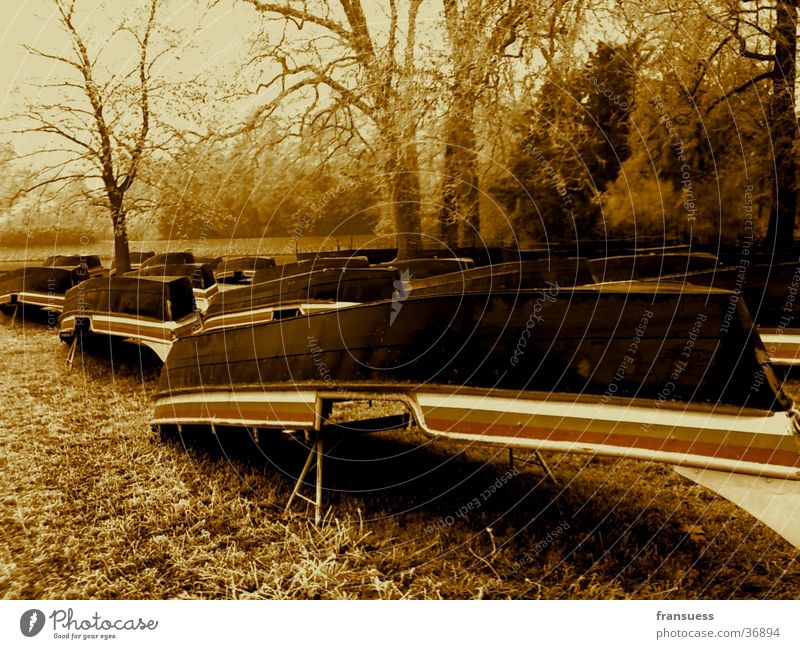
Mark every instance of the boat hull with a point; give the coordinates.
(241, 270)
(506, 277)
(202, 277)
(341, 285)
(770, 292)
(40, 287)
(747, 441)
(615, 370)
(151, 312)
(631, 342)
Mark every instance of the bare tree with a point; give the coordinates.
(783, 121)
(480, 33)
(101, 120)
(766, 33)
(357, 77)
(492, 46)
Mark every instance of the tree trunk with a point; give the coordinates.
(459, 221)
(783, 128)
(449, 215)
(403, 175)
(122, 254)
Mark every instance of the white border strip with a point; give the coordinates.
(235, 397)
(778, 424)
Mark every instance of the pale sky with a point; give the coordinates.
(219, 35)
(218, 40)
(219, 45)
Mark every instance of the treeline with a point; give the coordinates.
(619, 149)
(236, 189)
(53, 214)
(456, 122)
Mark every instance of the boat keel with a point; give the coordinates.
(774, 502)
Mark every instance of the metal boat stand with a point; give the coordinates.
(71, 353)
(314, 460)
(537, 459)
(14, 315)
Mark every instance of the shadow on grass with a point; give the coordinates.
(607, 528)
(28, 316)
(121, 358)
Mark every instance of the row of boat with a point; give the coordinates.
(664, 356)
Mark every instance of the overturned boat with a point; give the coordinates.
(149, 311)
(299, 294)
(242, 270)
(169, 259)
(42, 287)
(214, 262)
(771, 293)
(204, 282)
(509, 276)
(90, 263)
(429, 267)
(308, 265)
(628, 369)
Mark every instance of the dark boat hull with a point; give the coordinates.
(40, 287)
(169, 259)
(568, 340)
(90, 264)
(506, 277)
(204, 283)
(309, 265)
(259, 303)
(242, 269)
(152, 312)
(772, 295)
(619, 370)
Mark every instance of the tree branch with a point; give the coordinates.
(304, 16)
(740, 89)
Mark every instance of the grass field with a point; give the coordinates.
(92, 505)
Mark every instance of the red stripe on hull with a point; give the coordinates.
(210, 412)
(705, 449)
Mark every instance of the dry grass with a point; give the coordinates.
(93, 506)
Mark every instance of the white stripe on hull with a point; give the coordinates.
(619, 426)
(53, 302)
(688, 417)
(267, 314)
(105, 325)
(782, 348)
(617, 420)
(768, 490)
(610, 450)
(234, 408)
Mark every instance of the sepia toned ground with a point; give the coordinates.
(93, 505)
